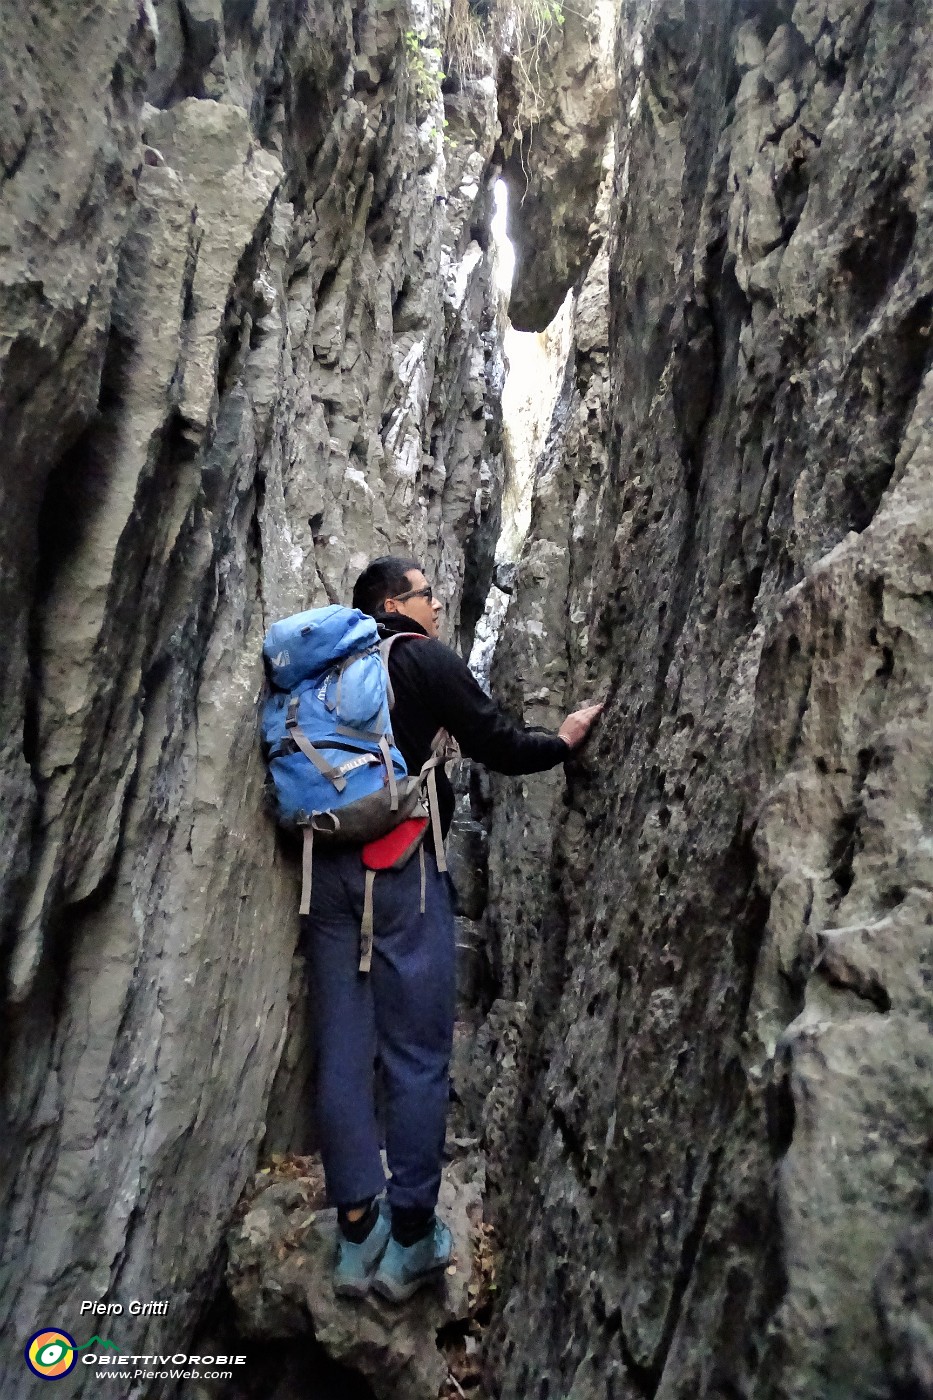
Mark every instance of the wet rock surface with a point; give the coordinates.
(721, 927)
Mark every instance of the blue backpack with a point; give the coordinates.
(334, 769)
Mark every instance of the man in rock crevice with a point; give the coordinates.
(403, 1010)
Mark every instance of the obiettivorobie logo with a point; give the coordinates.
(52, 1353)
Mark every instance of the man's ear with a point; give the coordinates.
(386, 608)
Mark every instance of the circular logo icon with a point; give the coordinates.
(51, 1354)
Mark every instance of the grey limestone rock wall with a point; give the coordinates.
(712, 944)
(247, 340)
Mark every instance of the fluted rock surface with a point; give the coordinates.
(247, 339)
(237, 244)
(722, 929)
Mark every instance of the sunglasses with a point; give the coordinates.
(427, 592)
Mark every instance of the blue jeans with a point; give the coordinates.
(402, 1011)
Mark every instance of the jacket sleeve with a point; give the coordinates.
(483, 731)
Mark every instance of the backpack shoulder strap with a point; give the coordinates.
(428, 774)
(385, 646)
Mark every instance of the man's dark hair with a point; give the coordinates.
(382, 579)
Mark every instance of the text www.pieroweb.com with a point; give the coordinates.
(174, 1374)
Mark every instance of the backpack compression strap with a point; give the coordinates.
(307, 853)
(296, 732)
(383, 740)
(366, 927)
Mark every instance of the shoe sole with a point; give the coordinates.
(352, 1290)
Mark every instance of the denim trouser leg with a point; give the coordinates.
(344, 1029)
(404, 1008)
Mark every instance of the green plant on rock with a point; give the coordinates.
(538, 17)
(424, 67)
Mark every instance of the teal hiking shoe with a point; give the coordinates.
(404, 1268)
(356, 1263)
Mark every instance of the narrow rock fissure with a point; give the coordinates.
(616, 317)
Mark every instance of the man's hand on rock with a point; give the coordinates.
(576, 726)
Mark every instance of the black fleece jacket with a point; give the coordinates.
(435, 689)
